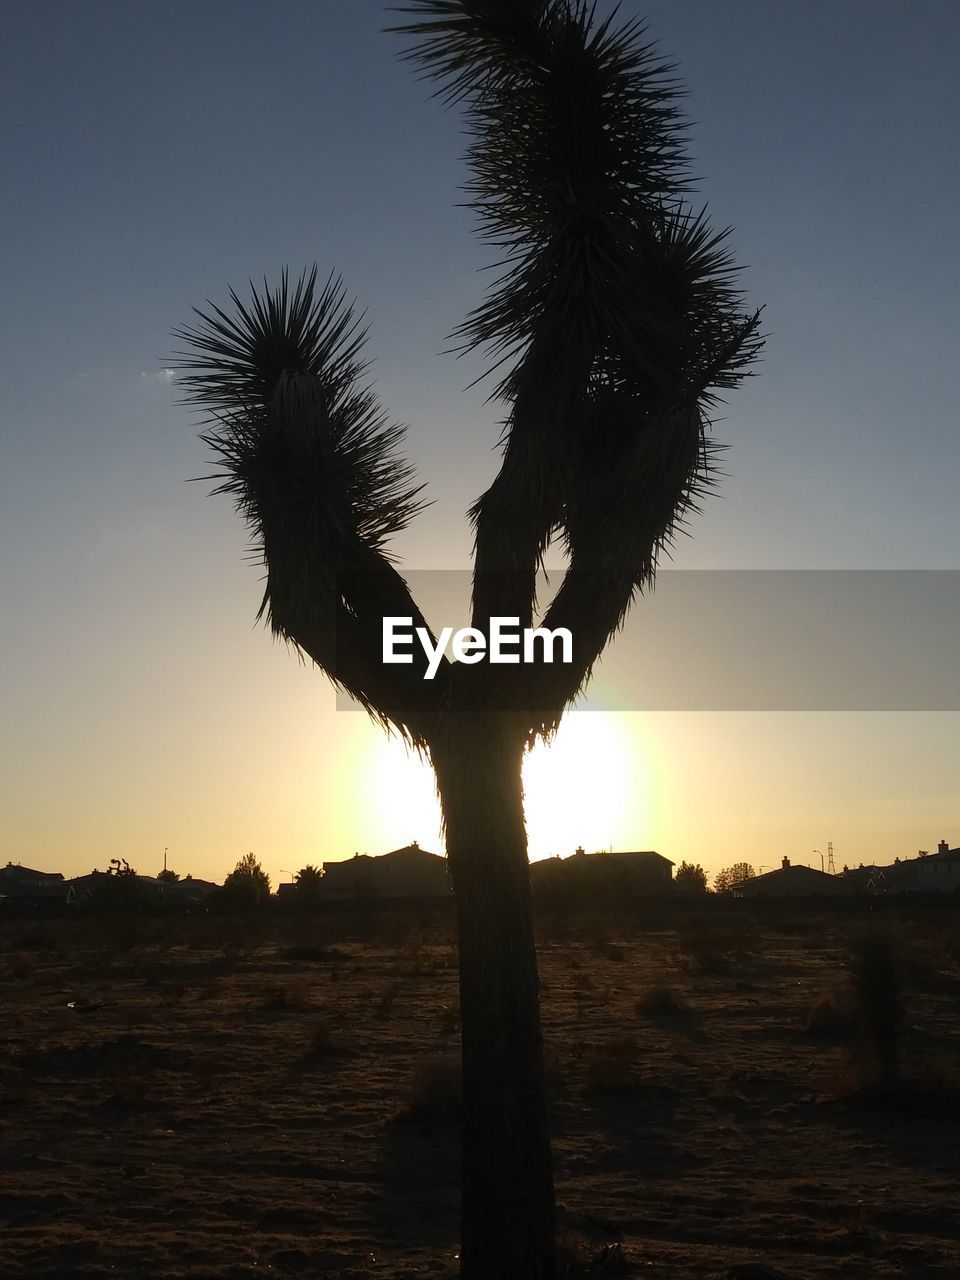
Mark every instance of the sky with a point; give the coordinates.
(154, 153)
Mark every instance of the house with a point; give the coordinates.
(646, 864)
(104, 885)
(926, 873)
(14, 876)
(866, 878)
(27, 886)
(796, 881)
(623, 872)
(939, 872)
(188, 892)
(410, 872)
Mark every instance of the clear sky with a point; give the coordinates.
(153, 152)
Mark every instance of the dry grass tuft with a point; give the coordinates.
(710, 949)
(578, 1259)
(294, 995)
(661, 1001)
(610, 951)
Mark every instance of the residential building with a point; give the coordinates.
(410, 872)
(626, 871)
(791, 880)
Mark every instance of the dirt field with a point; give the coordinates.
(277, 1098)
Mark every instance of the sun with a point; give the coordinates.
(582, 789)
(577, 790)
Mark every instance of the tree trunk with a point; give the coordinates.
(508, 1224)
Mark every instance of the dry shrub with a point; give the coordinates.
(832, 1015)
(610, 1063)
(610, 950)
(172, 992)
(311, 954)
(925, 964)
(390, 929)
(661, 1001)
(436, 1092)
(578, 1259)
(293, 995)
(574, 1255)
(710, 948)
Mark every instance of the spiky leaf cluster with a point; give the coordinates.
(616, 301)
(312, 464)
(292, 422)
(615, 321)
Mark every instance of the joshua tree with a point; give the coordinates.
(614, 326)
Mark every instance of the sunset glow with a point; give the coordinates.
(577, 790)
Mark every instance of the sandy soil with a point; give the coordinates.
(275, 1098)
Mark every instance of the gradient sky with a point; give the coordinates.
(152, 153)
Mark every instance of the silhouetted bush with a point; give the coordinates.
(710, 948)
(661, 1001)
(293, 995)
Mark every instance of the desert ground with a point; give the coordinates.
(277, 1096)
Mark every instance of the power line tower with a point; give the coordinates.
(831, 867)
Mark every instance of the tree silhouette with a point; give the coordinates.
(731, 878)
(308, 877)
(247, 885)
(691, 876)
(614, 326)
(308, 882)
